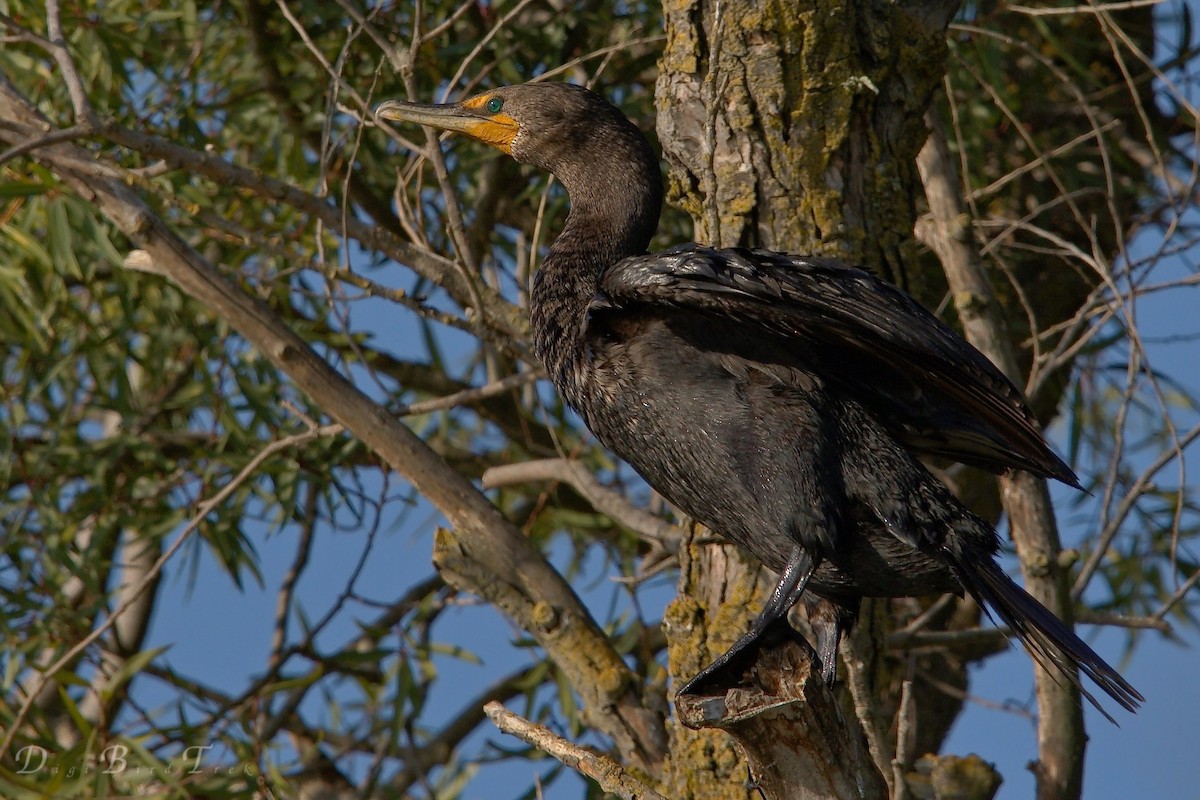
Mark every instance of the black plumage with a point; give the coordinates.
(781, 400)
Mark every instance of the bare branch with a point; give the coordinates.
(1183, 589)
(904, 723)
(1154, 621)
(602, 498)
(860, 654)
(1093, 8)
(465, 64)
(471, 396)
(70, 73)
(993, 639)
(983, 702)
(283, 603)
(64, 135)
(600, 768)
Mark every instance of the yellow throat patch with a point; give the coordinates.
(498, 130)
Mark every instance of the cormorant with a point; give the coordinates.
(780, 400)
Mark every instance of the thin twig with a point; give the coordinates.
(23, 34)
(70, 74)
(472, 395)
(600, 768)
(925, 617)
(478, 48)
(860, 652)
(445, 25)
(903, 731)
(287, 589)
(1183, 589)
(603, 499)
(968, 638)
(1154, 622)
(1090, 8)
(1143, 484)
(959, 694)
(63, 135)
(622, 46)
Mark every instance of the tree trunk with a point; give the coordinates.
(792, 126)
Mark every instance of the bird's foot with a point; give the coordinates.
(730, 668)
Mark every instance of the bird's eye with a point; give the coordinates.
(494, 105)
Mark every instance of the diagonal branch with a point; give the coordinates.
(602, 769)
(605, 500)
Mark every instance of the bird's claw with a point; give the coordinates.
(731, 667)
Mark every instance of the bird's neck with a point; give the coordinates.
(563, 288)
(610, 219)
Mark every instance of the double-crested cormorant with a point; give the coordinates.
(780, 400)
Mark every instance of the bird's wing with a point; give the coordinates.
(936, 392)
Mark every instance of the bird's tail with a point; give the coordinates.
(1048, 640)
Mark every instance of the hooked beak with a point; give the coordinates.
(449, 117)
(498, 130)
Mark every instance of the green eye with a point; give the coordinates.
(494, 105)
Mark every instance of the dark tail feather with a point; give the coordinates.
(1044, 635)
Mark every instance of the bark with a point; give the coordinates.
(794, 127)
(788, 723)
(719, 586)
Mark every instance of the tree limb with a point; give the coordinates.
(789, 725)
(1061, 737)
(603, 499)
(609, 774)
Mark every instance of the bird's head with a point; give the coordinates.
(601, 157)
(544, 124)
(486, 117)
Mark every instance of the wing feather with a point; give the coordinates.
(936, 392)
